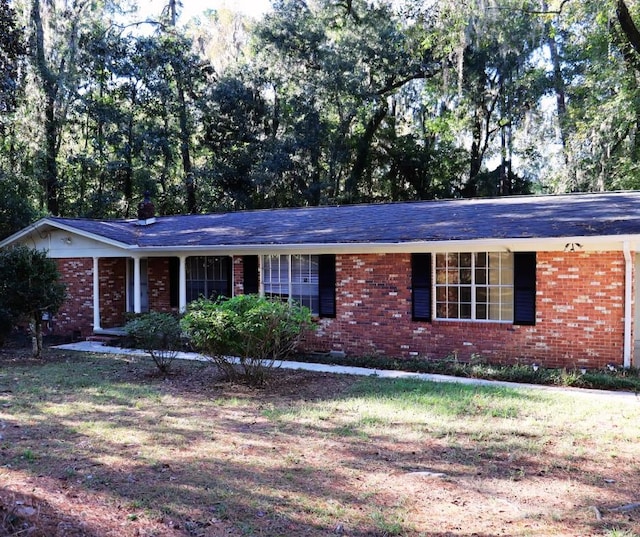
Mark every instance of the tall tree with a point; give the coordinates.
(55, 28)
(12, 49)
(181, 72)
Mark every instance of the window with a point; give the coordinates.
(292, 277)
(208, 276)
(476, 286)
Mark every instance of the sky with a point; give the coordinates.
(191, 8)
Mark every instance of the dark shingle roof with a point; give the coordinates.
(572, 215)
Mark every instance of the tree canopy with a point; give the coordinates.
(316, 102)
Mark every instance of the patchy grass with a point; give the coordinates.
(100, 445)
(610, 378)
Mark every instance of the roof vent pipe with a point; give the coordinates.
(146, 211)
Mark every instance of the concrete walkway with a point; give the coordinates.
(97, 347)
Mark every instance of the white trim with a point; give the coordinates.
(587, 244)
(137, 298)
(37, 228)
(96, 294)
(628, 297)
(182, 284)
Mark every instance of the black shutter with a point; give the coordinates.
(251, 278)
(327, 285)
(421, 287)
(524, 288)
(174, 281)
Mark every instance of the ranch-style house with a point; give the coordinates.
(545, 279)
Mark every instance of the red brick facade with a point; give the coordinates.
(579, 317)
(238, 275)
(159, 284)
(579, 310)
(113, 291)
(76, 315)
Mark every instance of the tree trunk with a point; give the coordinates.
(50, 88)
(51, 155)
(185, 148)
(36, 334)
(362, 152)
(628, 26)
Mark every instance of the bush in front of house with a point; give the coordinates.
(30, 287)
(246, 335)
(159, 334)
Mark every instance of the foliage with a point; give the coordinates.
(159, 334)
(7, 321)
(11, 50)
(29, 288)
(319, 102)
(247, 330)
(16, 210)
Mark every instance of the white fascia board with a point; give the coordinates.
(11, 239)
(93, 236)
(581, 244)
(37, 227)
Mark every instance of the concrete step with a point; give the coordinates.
(104, 340)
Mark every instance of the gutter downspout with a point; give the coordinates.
(628, 297)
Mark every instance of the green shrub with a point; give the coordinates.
(248, 331)
(30, 287)
(159, 334)
(7, 322)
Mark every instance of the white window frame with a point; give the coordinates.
(207, 265)
(290, 288)
(505, 309)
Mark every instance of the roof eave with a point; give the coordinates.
(579, 243)
(43, 222)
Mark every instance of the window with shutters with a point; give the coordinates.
(292, 278)
(475, 286)
(208, 277)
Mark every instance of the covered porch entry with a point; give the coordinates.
(125, 285)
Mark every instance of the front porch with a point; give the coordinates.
(124, 285)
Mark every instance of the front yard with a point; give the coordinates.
(101, 446)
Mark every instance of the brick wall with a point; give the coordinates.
(159, 284)
(113, 291)
(238, 275)
(580, 314)
(76, 314)
(580, 310)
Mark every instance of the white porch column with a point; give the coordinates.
(96, 295)
(182, 284)
(137, 302)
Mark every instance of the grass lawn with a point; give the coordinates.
(101, 446)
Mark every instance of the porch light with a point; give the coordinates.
(66, 240)
(572, 246)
